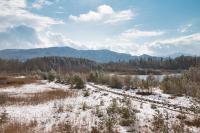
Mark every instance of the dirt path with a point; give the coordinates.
(172, 107)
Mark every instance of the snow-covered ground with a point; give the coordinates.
(37, 87)
(80, 110)
(158, 95)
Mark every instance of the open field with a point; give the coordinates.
(49, 107)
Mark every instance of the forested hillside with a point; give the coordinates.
(179, 63)
(46, 64)
(66, 64)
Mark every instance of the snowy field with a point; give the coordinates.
(87, 110)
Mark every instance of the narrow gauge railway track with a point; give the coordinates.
(160, 104)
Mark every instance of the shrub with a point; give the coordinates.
(158, 123)
(92, 77)
(195, 122)
(113, 107)
(86, 93)
(77, 82)
(177, 128)
(173, 85)
(110, 122)
(95, 130)
(84, 106)
(51, 75)
(116, 82)
(103, 79)
(128, 82)
(188, 83)
(3, 117)
(181, 116)
(3, 98)
(135, 82)
(151, 82)
(127, 116)
(126, 122)
(98, 112)
(43, 75)
(153, 106)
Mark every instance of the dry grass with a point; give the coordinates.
(67, 127)
(17, 127)
(195, 122)
(36, 98)
(12, 81)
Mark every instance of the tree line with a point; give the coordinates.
(65, 64)
(47, 64)
(153, 63)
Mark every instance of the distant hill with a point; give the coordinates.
(102, 56)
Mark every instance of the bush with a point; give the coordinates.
(153, 106)
(103, 79)
(113, 107)
(3, 98)
(3, 117)
(98, 112)
(84, 106)
(188, 83)
(51, 76)
(135, 82)
(127, 116)
(126, 122)
(159, 123)
(110, 122)
(128, 82)
(77, 82)
(92, 77)
(151, 82)
(86, 93)
(173, 85)
(195, 122)
(44, 75)
(115, 82)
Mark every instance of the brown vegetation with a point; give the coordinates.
(37, 98)
(17, 127)
(186, 84)
(195, 122)
(12, 81)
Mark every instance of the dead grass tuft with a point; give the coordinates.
(16, 82)
(195, 122)
(17, 127)
(37, 98)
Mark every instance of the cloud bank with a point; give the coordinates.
(104, 14)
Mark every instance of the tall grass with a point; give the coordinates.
(36, 98)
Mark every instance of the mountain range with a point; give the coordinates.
(95, 55)
(101, 56)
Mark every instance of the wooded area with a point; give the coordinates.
(152, 64)
(66, 64)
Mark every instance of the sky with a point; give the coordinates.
(136, 27)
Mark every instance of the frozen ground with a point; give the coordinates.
(80, 110)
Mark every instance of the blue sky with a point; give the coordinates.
(154, 27)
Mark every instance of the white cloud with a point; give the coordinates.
(186, 44)
(185, 28)
(50, 39)
(104, 14)
(40, 3)
(135, 33)
(19, 37)
(13, 13)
